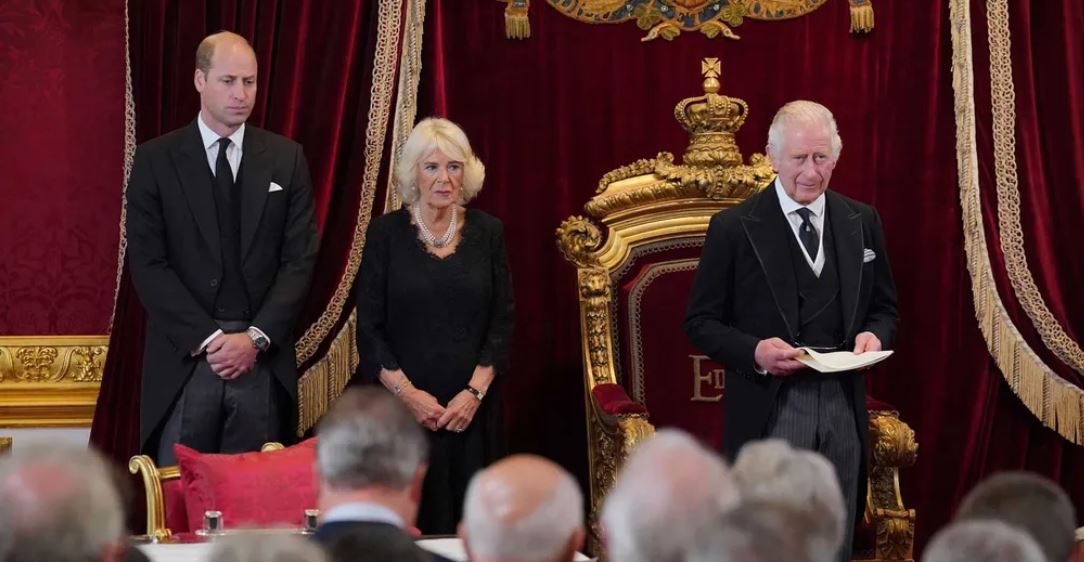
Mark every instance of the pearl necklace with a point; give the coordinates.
(428, 235)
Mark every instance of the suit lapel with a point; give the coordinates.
(190, 158)
(847, 226)
(767, 230)
(255, 180)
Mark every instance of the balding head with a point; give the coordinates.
(669, 488)
(226, 81)
(524, 508)
(58, 504)
(225, 39)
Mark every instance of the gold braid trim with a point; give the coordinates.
(381, 92)
(1003, 96)
(406, 107)
(129, 157)
(325, 380)
(1057, 403)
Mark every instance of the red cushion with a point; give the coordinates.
(176, 512)
(250, 489)
(613, 400)
(875, 405)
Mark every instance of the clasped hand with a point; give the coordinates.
(231, 355)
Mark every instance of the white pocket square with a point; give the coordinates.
(868, 255)
(274, 187)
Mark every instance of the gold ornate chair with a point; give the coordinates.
(166, 515)
(635, 259)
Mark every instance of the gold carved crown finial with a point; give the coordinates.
(711, 120)
(712, 69)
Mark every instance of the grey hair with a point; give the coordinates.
(435, 133)
(802, 112)
(669, 488)
(58, 503)
(263, 547)
(804, 480)
(761, 531)
(539, 536)
(1029, 502)
(989, 541)
(369, 438)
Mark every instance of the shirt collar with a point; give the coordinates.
(210, 137)
(369, 512)
(790, 205)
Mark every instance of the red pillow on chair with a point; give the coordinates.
(250, 489)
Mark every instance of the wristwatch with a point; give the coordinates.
(475, 392)
(259, 341)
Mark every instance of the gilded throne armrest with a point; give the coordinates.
(893, 446)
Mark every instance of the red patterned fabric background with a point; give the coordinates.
(62, 155)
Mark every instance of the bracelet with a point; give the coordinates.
(475, 392)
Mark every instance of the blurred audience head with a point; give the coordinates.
(760, 530)
(669, 488)
(370, 448)
(1029, 502)
(525, 509)
(262, 547)
(59, 503)
(803, 480)
(982, 541)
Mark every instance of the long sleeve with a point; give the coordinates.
(167, 300)
(883, 316)
(495, 350)
(371, 295)
(282, 305)
(707, 315)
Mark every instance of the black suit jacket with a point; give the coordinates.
(745, 290)
(175, 255)
(349, 541)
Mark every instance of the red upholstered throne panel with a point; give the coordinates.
(679, 385)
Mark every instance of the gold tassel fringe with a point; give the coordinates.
(322, 383)
(516, 23)
(862, 18)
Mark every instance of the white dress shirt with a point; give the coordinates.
(790, 210)
(210, 145)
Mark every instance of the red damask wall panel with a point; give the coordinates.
(61, 163)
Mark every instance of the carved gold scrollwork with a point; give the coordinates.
(894, 446)
(612, 439)
(577, 238)
(50, 381)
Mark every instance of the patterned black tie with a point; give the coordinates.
(807, 233)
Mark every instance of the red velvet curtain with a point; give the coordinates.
(315, 72)
(550, 115)
(61, 163)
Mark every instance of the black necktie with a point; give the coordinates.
(223, 172)
(807, 233)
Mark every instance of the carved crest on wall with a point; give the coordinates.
(670, 18)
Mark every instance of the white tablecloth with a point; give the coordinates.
(451, 548)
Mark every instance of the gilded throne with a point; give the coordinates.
(635, 259)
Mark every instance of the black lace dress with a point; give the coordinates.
(436, 319)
